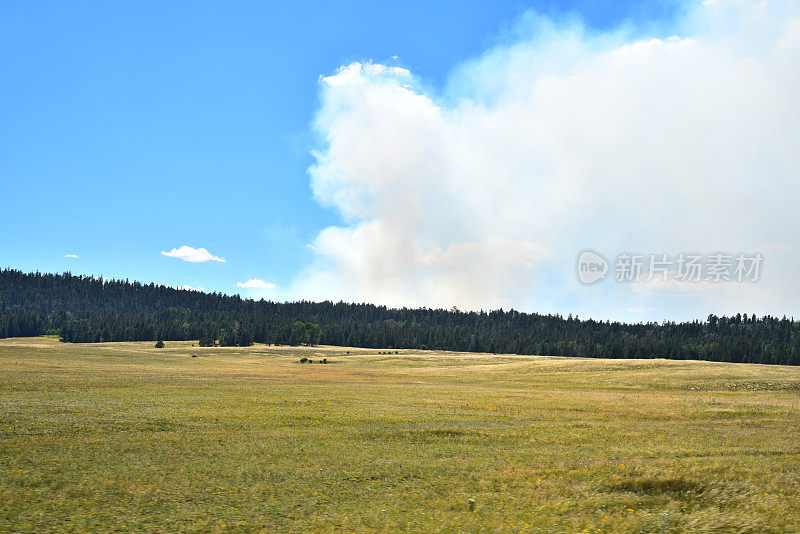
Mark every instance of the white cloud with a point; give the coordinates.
(190, 288)
(638, 309)
(255, 283)
(194, 255)
(482, 194)
(74, 256)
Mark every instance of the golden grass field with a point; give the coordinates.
(126, 437)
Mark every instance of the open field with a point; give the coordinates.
(130, 438)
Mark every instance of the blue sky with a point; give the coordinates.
(132, 129)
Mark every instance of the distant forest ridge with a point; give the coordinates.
(85, 309)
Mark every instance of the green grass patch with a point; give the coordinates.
(126, 437)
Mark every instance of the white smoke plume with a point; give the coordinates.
(480, 194)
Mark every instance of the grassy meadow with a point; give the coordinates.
(125, 437)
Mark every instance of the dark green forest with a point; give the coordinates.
(83, 309)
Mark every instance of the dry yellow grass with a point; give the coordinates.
(128, 437)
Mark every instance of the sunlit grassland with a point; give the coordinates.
(128, 437)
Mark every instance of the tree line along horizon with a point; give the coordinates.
(85, 309)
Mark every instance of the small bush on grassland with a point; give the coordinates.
(159, 344)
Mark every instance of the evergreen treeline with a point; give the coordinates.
(85, 309)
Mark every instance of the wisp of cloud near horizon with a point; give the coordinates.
(480, 194)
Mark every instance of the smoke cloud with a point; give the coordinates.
(480, 194)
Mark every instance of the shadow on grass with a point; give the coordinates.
(658, 486)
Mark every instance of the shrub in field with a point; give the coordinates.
(159, 344)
